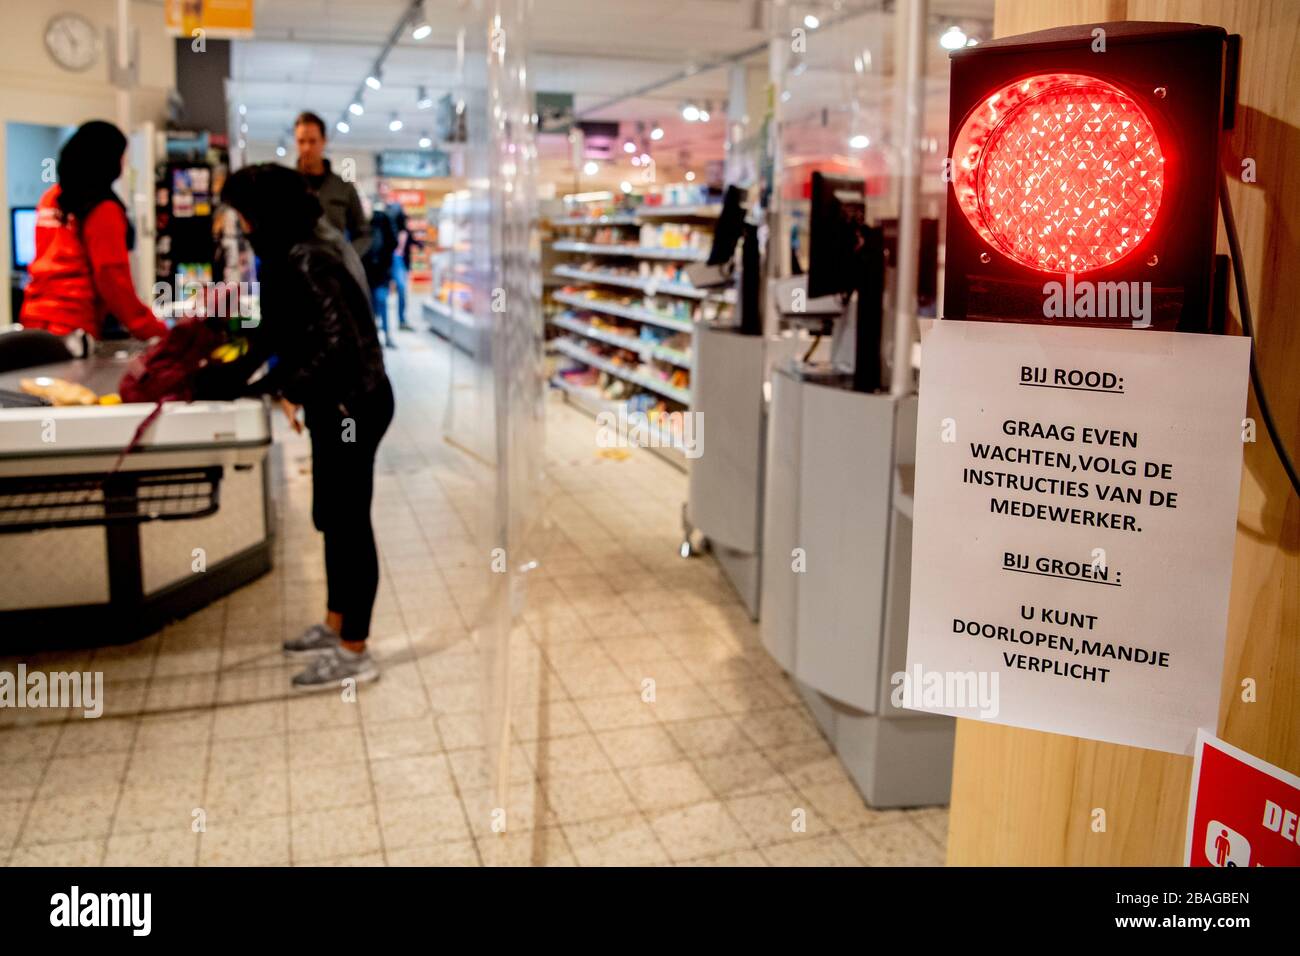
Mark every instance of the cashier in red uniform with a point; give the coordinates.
(81, 272)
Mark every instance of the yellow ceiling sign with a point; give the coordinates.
(218, 18)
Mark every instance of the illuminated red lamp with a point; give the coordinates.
(1102, 165)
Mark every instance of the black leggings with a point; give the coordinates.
(342, 484)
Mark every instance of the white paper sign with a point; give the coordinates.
(1075, 511)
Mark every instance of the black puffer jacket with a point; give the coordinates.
(318, 325)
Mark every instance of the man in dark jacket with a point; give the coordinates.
(338, 198)
(378, 262)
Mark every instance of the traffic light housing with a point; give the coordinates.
(1091, 151)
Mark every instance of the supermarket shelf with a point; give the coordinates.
(633, 252)
(622, 311)
(616, 220)
(648, 286)
(645, 381)
(661, 443)
(456, 315)
(680, 212)
(647, 350)
(454, 325)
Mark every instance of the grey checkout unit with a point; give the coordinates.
(93, 556)
(732, 370)
(837, 524)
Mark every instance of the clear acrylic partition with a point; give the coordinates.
(841, 101)
(495, 411)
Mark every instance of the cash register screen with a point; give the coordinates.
(23, 236)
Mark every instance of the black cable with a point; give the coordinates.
(1248, 326)
(817, 340)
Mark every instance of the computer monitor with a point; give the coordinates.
(836, 223)
(730, 227)
(927, 276)
(848, 256)
(22, 236)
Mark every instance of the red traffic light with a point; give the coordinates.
(1089, 152)
(1060, 172)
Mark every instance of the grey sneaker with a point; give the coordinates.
(311, 642)
(332, 667)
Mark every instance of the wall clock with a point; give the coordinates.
(72, 41)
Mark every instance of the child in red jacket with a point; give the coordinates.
(81, 272)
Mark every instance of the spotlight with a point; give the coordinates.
(395, 124)
(625, 186)
(590, 167)
(423, 100)
(629, 147)
(811, 22)
(859, 141)
(953, 38)
(356, 109)
(279, 151)
(372, 81)
(690, 176)
(342, 126)
(421, 32)
(690, 112)
(657, 133)
(425, 141)
(636, 160)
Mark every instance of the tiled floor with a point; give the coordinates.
(649, 726)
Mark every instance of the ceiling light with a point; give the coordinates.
(356, 109)
(859, 141)
(422, 99)
(342, 126)
(421, 32)
(953, 38)
(425, 141)
(625, 186)
(657, 133)
(629, 147)
(395, 124)
(636, 160)
(704, 116)
(645, 159)
(242, 109)
(690, 176)
(690, 112)
(591, 167)
(372, 81)
(811, 22)
(279, 151)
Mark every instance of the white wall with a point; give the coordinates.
(34, 89)
(28, 147)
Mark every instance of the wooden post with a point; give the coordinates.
(1022, 797)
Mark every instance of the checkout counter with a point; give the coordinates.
(805, 492)
(89, 556)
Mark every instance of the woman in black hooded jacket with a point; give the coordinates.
(318, 333)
